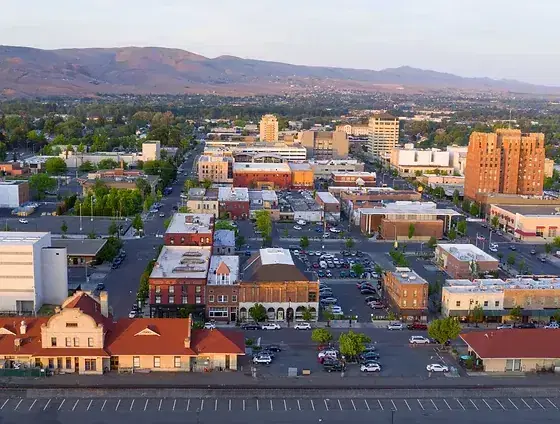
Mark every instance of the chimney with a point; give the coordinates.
(189, 329)
(104, 303)
(23, 328)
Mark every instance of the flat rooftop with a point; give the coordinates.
(299, 166)
(12, 183)
(407, 276)
(268, 167)
(466, 252)
(81, 247)
(182, 262)
(223, 264)
(334, 162)
(495, 285)
(532, 210)
(224, 238)
(327, 197)
(233, 194)
(357, 174)
(187, 223)
(20, 238)
(275, 256)
(410, 208)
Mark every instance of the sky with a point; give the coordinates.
(512, 39)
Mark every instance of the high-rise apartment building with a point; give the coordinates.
(325, 144)
(383, 134)
(506, 161)
(269, 128)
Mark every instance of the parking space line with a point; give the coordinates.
(271, 406)
(117, 407)
(34, 401)
(367, 405)
(46, 405)
(339, 405)
(76, 404)
(202, 404)
(394, 406)
(103, 406)
(500, 404)
(146, 404)
(380, 405)
(4, 404)
(298, 405)
(160, 402)
(312, 404)
(326, 404)
(243, 405)
(552, 403)
(420, 403)
(285, 406)
(484, 400)
(435, 406)
(354, 406)
(216, 404)
(131, 404)
(538, 403)
(514, 405)
(174, 403)
(526, 404)
(61, 403)
(229, 408)
(460, 404)
(89, 404)
(474, 404)
(19, 403)
(407, 405)
(447, 404)
(189, 404)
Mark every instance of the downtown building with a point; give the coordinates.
(383, 134)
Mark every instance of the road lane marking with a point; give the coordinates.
(103, 406)
(46, 405)
(538, 403)
(243, 405)
(61, 403)
(420, 403)
(35, 400)
(118, 403)
(326, 405)
(189, 404)
(549, 401)
(460, 404)
(229, 405)
(312, 404)
(202, 404)
(484, 400)
(4, 404)
(435, 406)
(380, 405)
(146, 404)
(500, 404)
(174, 403)
(89, 404)
(407, 405)
(351, 400)
(76, 404)
(514, 405)
(216, 404)
(19, 403)
(447, 404)
(271, 406)
(285, 406)
(339, 405)
(298, 405)
(394, 406)
(474, 404)
(367, 405)
(526, 404)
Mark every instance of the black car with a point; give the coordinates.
(273, 348)
(371, 298)
(100, 286)
(512, 247)
(115, 265)
(367, 291)
(525, 325)
(331, 366)
(251, 326)
(369, 356)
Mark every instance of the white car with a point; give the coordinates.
(209, 326)
(327, 256)
(370, 367)
(418, 340)
(297, 227)
(331, 353)
(302, 326)
(552, 325)
(395, 326)
(334, 230)
(301, 222)
(162, 215)
(23, 221)
(325, 235)
(504, 327)
(337, 310)
(262, 359)
(437, 368)
(329, 300)
(271, 326)
(132, 314)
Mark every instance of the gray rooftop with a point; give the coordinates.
(85, 247)
(536, 210)
(224, 238)
(408, 276)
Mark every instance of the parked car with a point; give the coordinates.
(372, 298)
(133, 314)
(301, 222)
(417, 326)
(262, 359)
(504, 326)
(329, 301)
(273, 348)
(369, 356)
(331, 366)
(162, 215)
(552, 325)
(437, 368)
(270, 326)
(332, 353)
(533, 252)
(418, 340)
(395, 326)
(370, 367)
(23, 221)
(525, 325)
(297, 227)
(251, 326)
(210, 325)
(368, 291)
(302, 326)
(512, 247)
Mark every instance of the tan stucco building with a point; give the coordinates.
(383, 134)
(268, 128)
(325, 144)
(214, 168)
(527, 222)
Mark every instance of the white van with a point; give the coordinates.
(323, 264)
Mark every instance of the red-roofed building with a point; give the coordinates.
(82, 337)
(522, 350)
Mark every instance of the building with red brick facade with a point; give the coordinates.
(233, 202)
(188, 229)
(273, 176)
(464, 260)
(353, 179)
(222, 290)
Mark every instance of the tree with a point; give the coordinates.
(55, 166)
(352, 344)
(378, 270)
(81, 148)
(547, 248)
(107, 164)
(143, 187)
(432, 242)
(349, 243)
(321, 336)
(456, 197)
(516, 312)
(474, 209)
(466, 205)
(411, 230)
(113, 229)
(257, 312)
(87, 166)
(304, 242)
(462, 227)
(556, 315)
(41, 183)
(224, 224)
(477, 314)
(207, 183)
(239, 241)
(495, 221)
(452, 234)
(137, 223)
(444, 329)
(358, 269)
(511, 259)
(306, 314)
(500, 256)
(474, 268)
(190, 183)
(64, 227)
(264, 223)
(556, 242)
(3, 151)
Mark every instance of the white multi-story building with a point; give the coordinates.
(458, 158)
(409, 161)
(285, 152)
(32, 272)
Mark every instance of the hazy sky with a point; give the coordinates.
(496, 38)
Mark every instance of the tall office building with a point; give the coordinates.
(506, 161)
(383, 134)
(325, 144)
(269, 128)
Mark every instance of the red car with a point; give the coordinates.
(315, 265)
(417, 326)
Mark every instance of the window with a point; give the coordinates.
(414, 302)
(158, 289)
(171, 289)
(218, 312)
(157, 361)
(90, 341)
(158, 299)
(91, 364)
(415, 293)
(136, 362)
(171, 299)
(485, 303)
(222, 298)
(53, 341)
(211, 298)
(311, 297)
(68, 363)
(68, 341)
(234, 298)
(458, 303)
(405, 293)
(71, 325)
(59, 363)
(404, 302)
(177, 362)
(198, 289)
(497, 303)
(198, 300)
(51, 362)
(76, 342)
(184, 300)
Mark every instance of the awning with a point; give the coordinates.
(525, 233)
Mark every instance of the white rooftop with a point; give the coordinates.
(232, 262)
(327, 197)
(466, 252)
(233, 194)
(224, 238)
(190, 223)
(182, 262)
(271, 167)
(21, 238)
(275, 256)
(499, 285)
(407, 276)
(409, 207)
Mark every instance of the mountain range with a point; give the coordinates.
(30, 72)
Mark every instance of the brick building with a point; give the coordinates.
(407, 293)
(464, 260)
(178, 281)
(506, 161)
(234, 202)
(273, 176)
(189, 229)
(353, 179)
(222, 290)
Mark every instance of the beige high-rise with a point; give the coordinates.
(383, 134)
(269, 128)
(325, 144)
